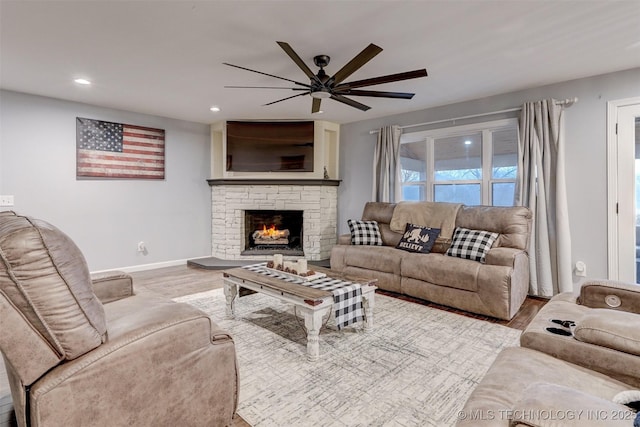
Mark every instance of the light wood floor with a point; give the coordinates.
(173, 282)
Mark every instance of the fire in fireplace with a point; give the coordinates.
(271, 231)
(271, 236)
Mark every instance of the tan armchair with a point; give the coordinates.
(82, 350)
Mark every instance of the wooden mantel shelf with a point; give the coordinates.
(256, 181)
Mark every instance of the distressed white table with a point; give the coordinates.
(312, 303)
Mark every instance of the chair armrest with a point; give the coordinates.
(112, 285)
(610, 294)
(617, 330)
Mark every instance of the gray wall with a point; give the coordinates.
(106, 218)
(586, 153)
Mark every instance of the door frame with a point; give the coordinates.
(613, 254)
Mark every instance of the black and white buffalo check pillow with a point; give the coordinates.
(471, 244)
(364, 232)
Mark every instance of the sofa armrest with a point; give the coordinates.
(112, 285)
(338, 254)
(610, 294)
(502, 256)
(344, 239)
(617, 330)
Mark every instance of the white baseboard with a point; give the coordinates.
(153, 266)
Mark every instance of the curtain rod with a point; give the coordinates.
(566, 103)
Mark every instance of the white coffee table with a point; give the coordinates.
(312, 303)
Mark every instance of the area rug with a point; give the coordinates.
(416, 367)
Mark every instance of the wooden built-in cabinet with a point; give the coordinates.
(325, 155)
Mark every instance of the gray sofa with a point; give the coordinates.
(495, 288)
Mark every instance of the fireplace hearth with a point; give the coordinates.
(269, 232)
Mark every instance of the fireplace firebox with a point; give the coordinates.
(273, 231)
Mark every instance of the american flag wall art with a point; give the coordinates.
(116, 150)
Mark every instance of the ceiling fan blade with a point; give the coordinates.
(267, 74)
(266, 87)
(288, 97)
(352, 66)
(299, 62)
(315, 106)
(383, 79)
(350, 102)
(375, 93)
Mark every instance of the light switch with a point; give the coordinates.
(6, 201)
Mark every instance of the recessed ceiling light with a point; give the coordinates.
(215, 109)
(467, 142)
(82, 81)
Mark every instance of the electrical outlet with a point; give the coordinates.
(581, 269)
(6, 201)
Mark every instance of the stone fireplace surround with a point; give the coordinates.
(317, 198)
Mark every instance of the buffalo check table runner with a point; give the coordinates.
(347, 296)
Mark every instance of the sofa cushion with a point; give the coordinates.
(429, 214)
(441, 270)
(417, 238)
(364, 232)
(45, 276)
(512, 223)
(471, 244)
(377, 258)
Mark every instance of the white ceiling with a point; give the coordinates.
(165, 57)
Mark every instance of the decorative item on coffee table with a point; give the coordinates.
(298, 269)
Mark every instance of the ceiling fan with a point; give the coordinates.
(323, 86)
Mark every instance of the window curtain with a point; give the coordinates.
(541, 187)
(386, 166)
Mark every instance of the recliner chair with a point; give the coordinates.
(82, 350)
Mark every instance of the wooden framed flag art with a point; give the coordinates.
(107, 150)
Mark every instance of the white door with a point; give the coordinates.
(624, 190)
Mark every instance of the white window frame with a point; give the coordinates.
(486, 129)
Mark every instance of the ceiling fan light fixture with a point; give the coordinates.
(321, 94)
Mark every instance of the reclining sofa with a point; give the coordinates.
(84, 350)
(589, 375)
(496, 287)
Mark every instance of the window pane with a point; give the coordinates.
(413, 164)
(413, 192)
(458, 158)
(468, 194)
(502, 193)
(505, 153)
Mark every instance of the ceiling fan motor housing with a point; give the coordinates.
(321, 60)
